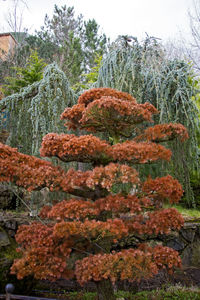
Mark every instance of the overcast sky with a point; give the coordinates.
(160, 18)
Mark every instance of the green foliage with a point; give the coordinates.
(32, 72)
(92, 76)
(190, 214)
(178, 294)
(143, 70)
(93, 43)
(73, 42)
(65, 39)
(173, 292)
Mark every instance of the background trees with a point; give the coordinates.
(89, 237)
(32, 72)
(70, 41)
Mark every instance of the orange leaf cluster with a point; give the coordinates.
(97, 93)
(164, 132)
(88, 148)
(91, 229)
(163, 221)
(121, 204)
(44, 256)
(70, 209)
(140, 152)
(34, 173)
(43, 264)
(80, 209)
(112, 174)
(100, 177)
(74, 114)
(105, 109)
(108, 112)
(162, 188)
(131, 265)
(28, 171)
(154, 223)
(69, 147)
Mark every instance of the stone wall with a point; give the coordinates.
(9, 224)
(187, 242)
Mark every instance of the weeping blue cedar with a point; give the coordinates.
(36, 110)
(144, 71)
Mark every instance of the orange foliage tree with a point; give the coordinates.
(88, 236)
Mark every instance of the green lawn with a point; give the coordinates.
(188, 213)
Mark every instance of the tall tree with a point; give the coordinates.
(94, 43)
(65, 39)
(77, 42)
(142, 69)
(91, 237)
(32, 72)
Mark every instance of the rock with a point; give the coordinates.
(188, 234)
(7, 197)
(198, 231)
(186, 256)
(195, 257)
(4, 239)
(11, 224)
(177, 244)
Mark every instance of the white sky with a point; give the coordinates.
(160, 18)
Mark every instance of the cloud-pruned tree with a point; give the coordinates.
(89, 235)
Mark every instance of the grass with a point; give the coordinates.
(188, 213)
(173, 292)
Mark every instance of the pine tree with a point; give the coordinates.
(90, 236)
(32, 72)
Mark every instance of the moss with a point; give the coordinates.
(9, 252)
(7, 255)
(196, 254)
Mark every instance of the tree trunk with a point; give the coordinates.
(105, 290)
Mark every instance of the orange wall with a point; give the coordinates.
(7, 44)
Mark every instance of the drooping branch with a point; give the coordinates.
(35, 111)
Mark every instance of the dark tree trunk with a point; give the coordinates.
(105, 290)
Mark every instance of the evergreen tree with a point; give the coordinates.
(94, 44)
(77, 42)
(32, 72)
(143, 70)
(34, 111)
(65, 39)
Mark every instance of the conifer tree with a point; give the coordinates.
(32, 72)
(88, 237)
